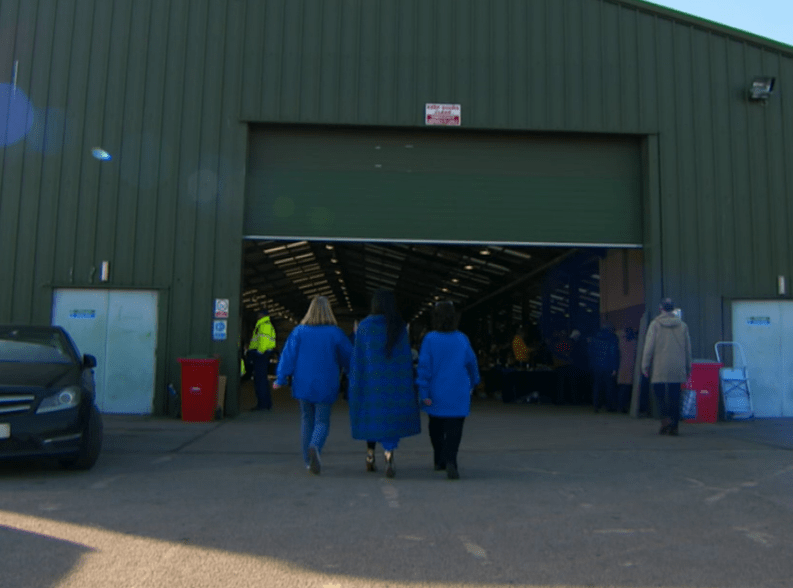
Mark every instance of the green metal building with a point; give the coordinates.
(582, 122)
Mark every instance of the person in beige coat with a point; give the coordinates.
(667, 352)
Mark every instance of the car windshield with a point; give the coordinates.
(34, 346)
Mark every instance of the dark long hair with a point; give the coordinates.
(384, 302)
(444, 317)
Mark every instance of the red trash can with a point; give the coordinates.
(704, 381)
(199, 388)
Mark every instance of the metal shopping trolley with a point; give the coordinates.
(734, 384)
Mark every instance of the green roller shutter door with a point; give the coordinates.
(443, 186)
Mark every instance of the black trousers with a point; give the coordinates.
(445, 435)
(261, 367)
(668, 396)
(603, 392)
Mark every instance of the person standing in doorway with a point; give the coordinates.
(625, 373)
(604, 358)
(447, 376)
(382, 399)
(667, 352)
(260, 351)
(520, 350)
(572, 374)
(315, 354)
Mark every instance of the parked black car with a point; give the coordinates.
(47, 397)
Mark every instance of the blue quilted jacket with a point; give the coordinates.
(382, 398)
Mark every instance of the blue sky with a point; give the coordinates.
(768, 18)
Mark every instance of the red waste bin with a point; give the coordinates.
(704, 381)
(199, 388)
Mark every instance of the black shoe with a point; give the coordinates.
(439, 467)
(314, 463)
(673, 431)
(451, 472)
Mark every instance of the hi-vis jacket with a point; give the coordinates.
(263, 338)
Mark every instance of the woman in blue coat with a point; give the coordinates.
(314, 355)
(382, 398)
(447, 375)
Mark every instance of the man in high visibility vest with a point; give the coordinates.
(259, 352)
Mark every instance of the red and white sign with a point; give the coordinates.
(221, 308)
(443, 114)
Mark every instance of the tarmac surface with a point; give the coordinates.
(549, 496)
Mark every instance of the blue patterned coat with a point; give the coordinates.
(383, 403)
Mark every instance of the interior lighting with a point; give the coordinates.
(484, 252)
(455, 281)
(469, 267)
(761, 89)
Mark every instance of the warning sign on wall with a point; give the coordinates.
(221, 308)
(443, 114)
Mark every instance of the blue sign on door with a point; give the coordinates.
(82, 314)
(219, 330)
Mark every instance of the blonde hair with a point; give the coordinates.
(319, 313)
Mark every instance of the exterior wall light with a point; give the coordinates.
(761, 89)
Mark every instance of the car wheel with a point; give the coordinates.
(90, 445)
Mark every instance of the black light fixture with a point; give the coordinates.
(761, 88)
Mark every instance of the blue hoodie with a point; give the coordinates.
(604, 351)
(447, 373)
(314, 355)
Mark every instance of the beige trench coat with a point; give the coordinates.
(667, 349)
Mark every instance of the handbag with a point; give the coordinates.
(688, 404)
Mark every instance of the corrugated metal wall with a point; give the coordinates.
(156, 84)
(164, 85)
(567, 65)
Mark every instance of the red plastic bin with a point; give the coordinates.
(704, 380)
(199, 388)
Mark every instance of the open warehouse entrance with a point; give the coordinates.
(516, 228)
(548, 291)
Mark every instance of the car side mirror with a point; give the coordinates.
(89, 361)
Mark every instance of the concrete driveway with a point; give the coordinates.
(549, 496)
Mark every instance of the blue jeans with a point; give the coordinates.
(314, 425)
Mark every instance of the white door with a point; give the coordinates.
(765, 331)
(83, 313)
(119, 327)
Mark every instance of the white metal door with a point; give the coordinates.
(119, 327)
(787, 358)
(765, 330)
(83, 313)
(131, 349)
